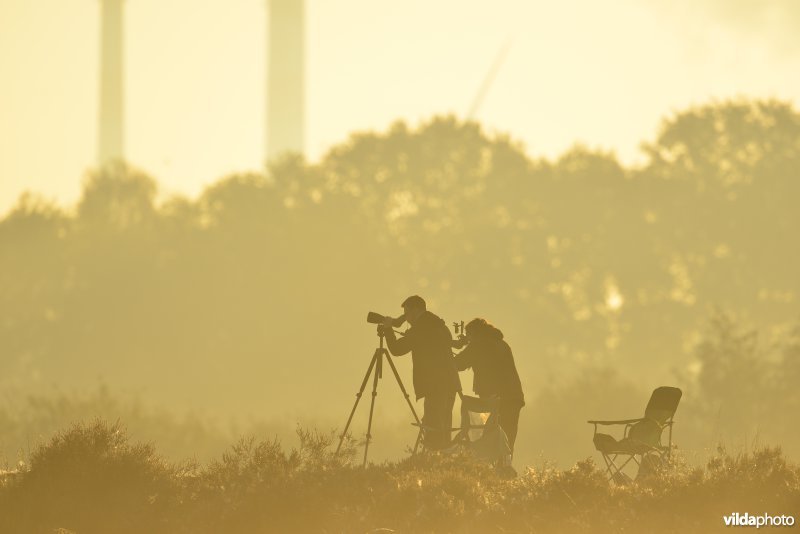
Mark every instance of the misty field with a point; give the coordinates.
(92, 478)
(240, 312)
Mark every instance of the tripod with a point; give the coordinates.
(377, 365)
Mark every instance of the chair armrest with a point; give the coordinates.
(621, 422)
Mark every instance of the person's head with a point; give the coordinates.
(413, 307)
(480, 328)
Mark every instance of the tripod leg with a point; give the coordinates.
(408, 399)
(416, 443)
(358, 398)
(371, 409)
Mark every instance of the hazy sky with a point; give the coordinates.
(601, 73)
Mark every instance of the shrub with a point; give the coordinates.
(90, 479)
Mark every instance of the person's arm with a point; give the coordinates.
(464, 358)
(459, 343)
(397, 347)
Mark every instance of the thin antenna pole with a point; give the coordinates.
(489, 79)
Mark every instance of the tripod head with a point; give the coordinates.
(461, 340)
(458, 328)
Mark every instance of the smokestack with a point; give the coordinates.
(110, 132)
(285, 77)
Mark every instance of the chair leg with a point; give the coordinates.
(608, 467)
(615, 472)
(631, 457)
(650, 464)
(669, 450)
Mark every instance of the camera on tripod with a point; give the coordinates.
(377, 318)
(461, 335)
(458, 328)
(376, 370)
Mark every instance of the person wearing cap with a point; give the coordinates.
(435, 376)
(494, 372)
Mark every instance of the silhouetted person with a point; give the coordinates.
(435, 376)
(494, 372)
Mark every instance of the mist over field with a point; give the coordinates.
(244, 308)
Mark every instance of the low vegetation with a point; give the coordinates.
(91, 478)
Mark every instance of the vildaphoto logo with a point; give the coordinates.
(765, 520)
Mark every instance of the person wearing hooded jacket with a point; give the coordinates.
(494, 372)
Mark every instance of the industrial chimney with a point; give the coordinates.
(110, 132)
(285, 77)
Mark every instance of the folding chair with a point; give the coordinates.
(641, 437)
(480, 429)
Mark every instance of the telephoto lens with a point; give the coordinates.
(375, 318)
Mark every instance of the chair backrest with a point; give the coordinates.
(479, 405)
(484, 436)
(663, 404)
(477, 413)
